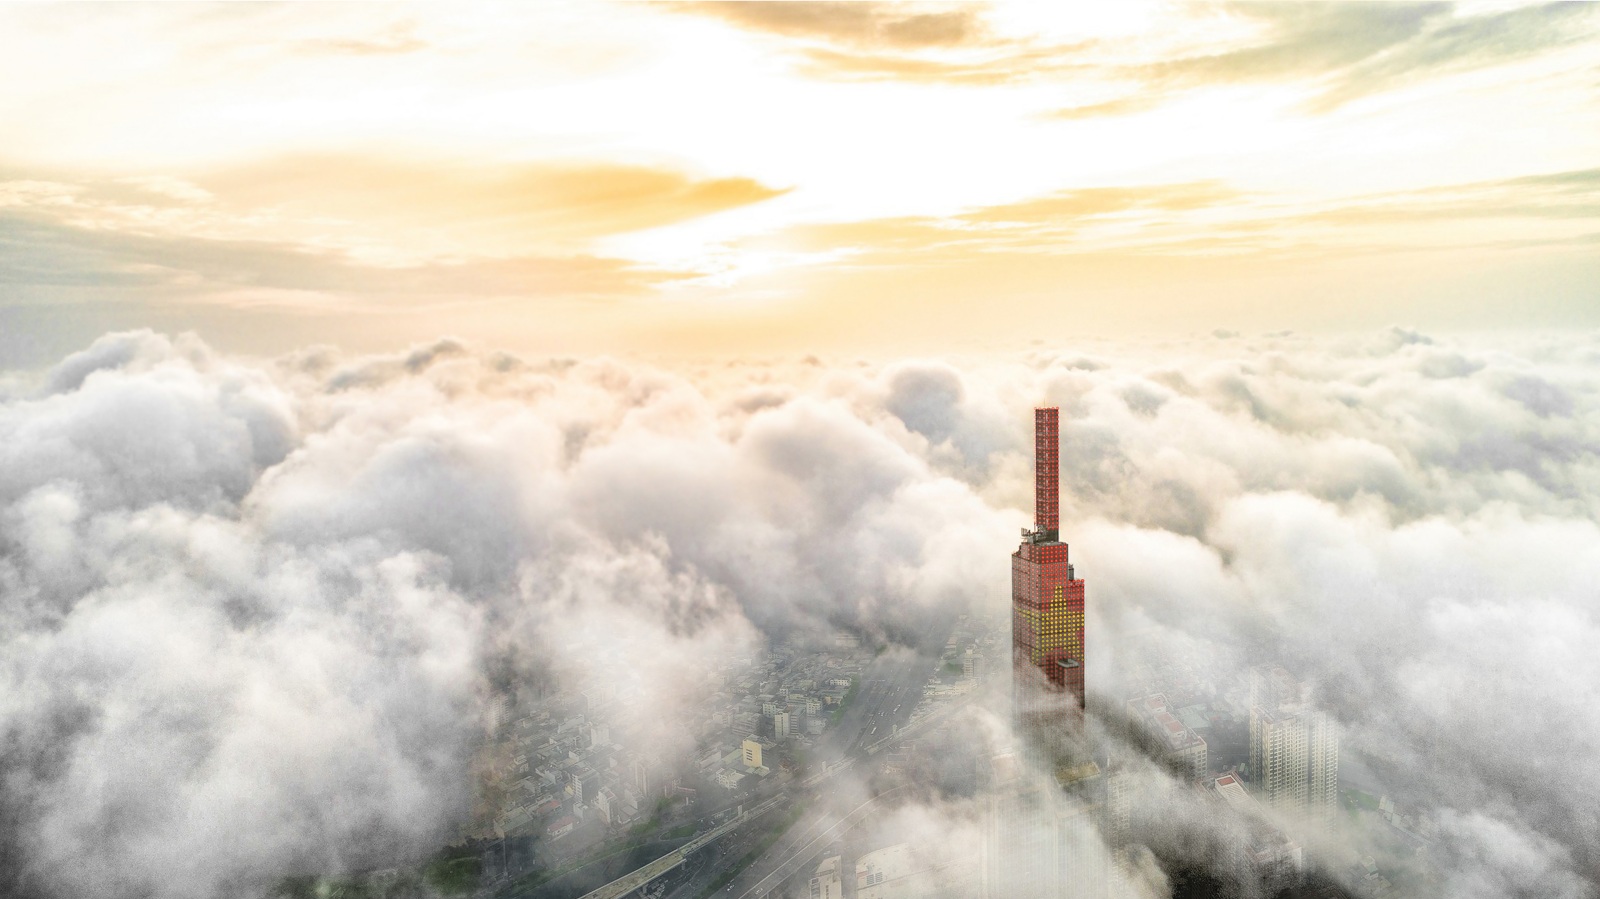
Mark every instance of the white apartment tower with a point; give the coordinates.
(1294, 748)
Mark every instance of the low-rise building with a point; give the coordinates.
(828, 882)
(1184, 748)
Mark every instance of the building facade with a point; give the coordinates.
(1294, 748)
(1273, 860)
(1183, 749)
(827, 883)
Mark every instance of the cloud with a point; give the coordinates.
(1002, 63)
(377, 229)
(1355, 51)
(899, 41)
(1072, 205)
(45, 259)
(1552, 197)
(1344, 52)
(1119, 106)
(251, 608)
(399, 38)
(548, 201)
(1062, 222)
(1122, 228)
(1470, 42)
(860, 24)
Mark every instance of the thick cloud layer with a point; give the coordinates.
(249, 608)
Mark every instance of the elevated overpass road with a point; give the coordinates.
(627, 883)
(797, 858)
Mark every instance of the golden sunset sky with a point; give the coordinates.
(707, 177)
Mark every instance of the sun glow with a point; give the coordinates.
(641, 154)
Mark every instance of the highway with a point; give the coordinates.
(890, 687)
(622, 886)
(790, 860)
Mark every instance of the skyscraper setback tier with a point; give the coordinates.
(1046, 597)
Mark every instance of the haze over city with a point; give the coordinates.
(494, 449)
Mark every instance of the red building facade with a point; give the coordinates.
(1046, 596)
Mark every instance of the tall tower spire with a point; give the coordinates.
(1047, 470)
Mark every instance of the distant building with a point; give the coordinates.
(1294, 748)
(971, 665)
(780, 725)
(1260, 848)
(1122, 792)
(903, 871)
(827, 882)
(560, 827)
(1183, 748)
(585, 783)
(746, 722)
(497, 712)
(752, 754)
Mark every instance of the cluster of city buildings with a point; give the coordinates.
(1259, 745)
(785, 701)
(553, 768)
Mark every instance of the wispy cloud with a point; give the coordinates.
(1087, 203)
(1354, 50)
(397, 39)
(1345, 51)
(383, 229)
(43, 258)
(1129, 105)
(1158, 220)
(898, 41)
(874, 25)
(547, 201)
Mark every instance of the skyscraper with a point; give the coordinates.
(1046, 596)
(1042, 840)
(1294, 749)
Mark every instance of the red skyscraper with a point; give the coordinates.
(1046, 598)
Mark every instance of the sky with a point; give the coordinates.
(702, 177)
